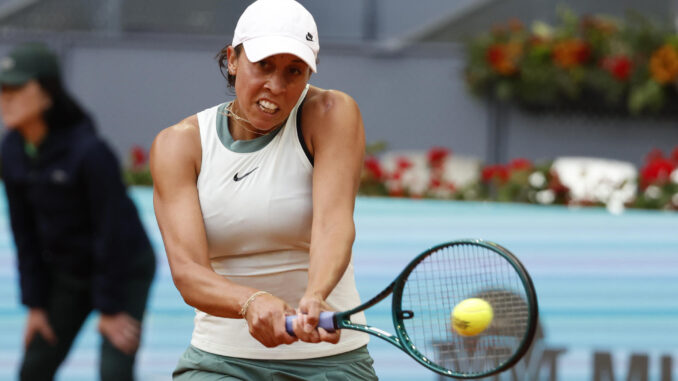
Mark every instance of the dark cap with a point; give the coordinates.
(26, 62)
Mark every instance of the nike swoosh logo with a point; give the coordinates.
(236, 178)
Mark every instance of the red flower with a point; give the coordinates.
(396, 192)
(435, 183)
(495, 54)
(373, 166)
(656, 171)
(403, 163)
(503, 58)
(139, 156)
(498, 172)
(619, 66)
(674, 155)
(437, 156)
(584, 52)
(655, 154)
(556, 185)
(520, 164)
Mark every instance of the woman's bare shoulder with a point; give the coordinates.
(182, 130)
(331, 117)
(184, 134)
(323, 102)
(179, 141)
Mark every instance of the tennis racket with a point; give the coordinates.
(427, 290)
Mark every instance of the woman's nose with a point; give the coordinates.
(276, 83)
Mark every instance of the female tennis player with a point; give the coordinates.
(80, 242)
(254, 199)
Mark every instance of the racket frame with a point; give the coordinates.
(402, 340)
(533, 309)
(342, 319)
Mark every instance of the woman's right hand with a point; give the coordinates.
(266, 320)
(122, 330)
(37, 323)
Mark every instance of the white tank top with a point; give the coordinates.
(255, 197)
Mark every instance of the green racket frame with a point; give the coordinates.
(401, 339)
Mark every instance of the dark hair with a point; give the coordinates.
(222, 58)
(65, 111)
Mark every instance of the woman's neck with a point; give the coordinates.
(34, 132)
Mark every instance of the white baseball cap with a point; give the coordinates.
(269, 27)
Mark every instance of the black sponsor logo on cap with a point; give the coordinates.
(309, 37)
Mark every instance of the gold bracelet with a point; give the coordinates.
(243, 310)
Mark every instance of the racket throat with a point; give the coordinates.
(406, 314)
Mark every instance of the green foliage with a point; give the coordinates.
(137, 171)
(138, 177)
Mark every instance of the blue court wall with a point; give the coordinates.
(607, 287)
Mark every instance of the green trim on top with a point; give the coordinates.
(31, 150)
(240, 146)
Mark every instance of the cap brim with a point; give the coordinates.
(14, 78)
(261, 47)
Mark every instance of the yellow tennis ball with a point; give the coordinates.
(471, 316)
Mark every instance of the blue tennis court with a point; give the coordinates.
(607, 287)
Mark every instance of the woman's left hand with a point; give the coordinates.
(306, 325)
(122, 330)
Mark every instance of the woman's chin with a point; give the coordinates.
(266, 126)
(9, 124)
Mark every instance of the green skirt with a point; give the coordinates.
(197, 365)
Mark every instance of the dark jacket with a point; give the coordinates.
(70, 212)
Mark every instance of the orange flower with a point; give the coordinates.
(515, 25)
(664, 64)
(504, 57)
(499, 30)
(570, 53)
(607, 27)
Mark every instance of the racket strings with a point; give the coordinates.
(449, 276)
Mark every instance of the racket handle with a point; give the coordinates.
(325, 321)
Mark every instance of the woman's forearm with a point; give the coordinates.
(330, 255)
(210, 292)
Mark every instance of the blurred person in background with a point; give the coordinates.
(255, 199)
(80, 243)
